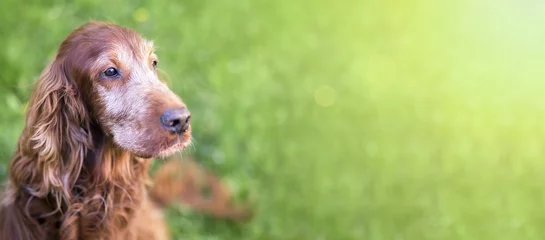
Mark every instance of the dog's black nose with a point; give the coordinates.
(176, 120)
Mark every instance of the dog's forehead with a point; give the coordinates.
(144, 48)
(138, 50)
(126, 53)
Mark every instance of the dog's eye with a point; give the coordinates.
(154, 63)
(111, 72)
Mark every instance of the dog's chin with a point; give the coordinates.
(166, 152)
(178, 147)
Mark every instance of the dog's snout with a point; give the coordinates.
(176, 120)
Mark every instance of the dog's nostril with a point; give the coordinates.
(186, 124)
(175, 122)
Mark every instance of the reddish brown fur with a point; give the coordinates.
(80, 168)
(184, 180)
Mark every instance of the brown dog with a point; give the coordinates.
(98, 114)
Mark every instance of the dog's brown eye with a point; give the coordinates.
(154, 63)
(111, 72)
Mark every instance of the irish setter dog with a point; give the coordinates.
(97, 114)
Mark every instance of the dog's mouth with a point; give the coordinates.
(165, 148)
(177, 146)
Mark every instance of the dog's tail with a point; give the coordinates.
(185, 182)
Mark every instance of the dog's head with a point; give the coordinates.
(115, 71)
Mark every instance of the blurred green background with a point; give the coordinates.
(348, 119)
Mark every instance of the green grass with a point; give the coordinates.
(339, 119)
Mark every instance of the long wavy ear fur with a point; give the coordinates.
(50, 152)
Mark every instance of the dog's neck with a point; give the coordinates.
(111, 185)
(105, 158)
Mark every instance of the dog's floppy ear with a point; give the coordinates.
(55, 139)
(49, 155)
(14, 225)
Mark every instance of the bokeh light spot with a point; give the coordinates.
(12, 102)
(325, 96)
(141, 15)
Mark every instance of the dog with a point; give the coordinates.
(97, 115)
